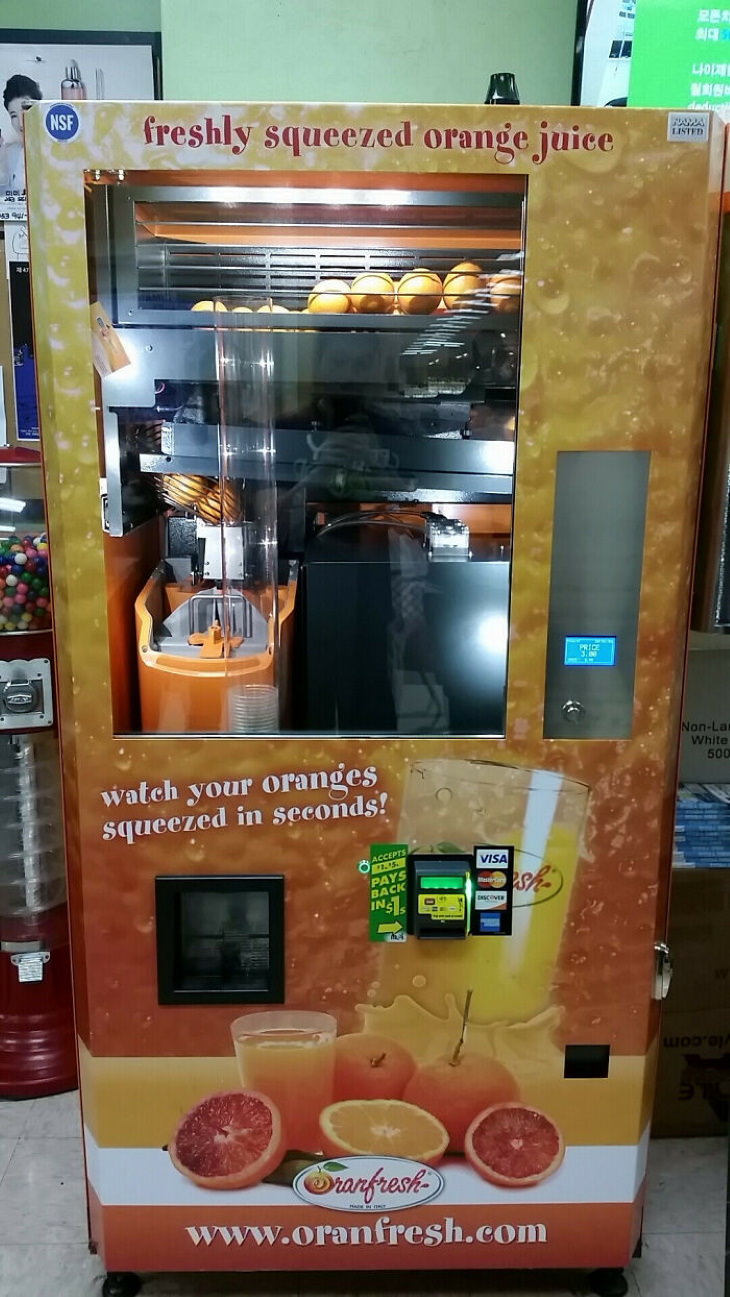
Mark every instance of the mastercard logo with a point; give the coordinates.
(493, 879)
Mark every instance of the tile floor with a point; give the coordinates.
(43, 1228)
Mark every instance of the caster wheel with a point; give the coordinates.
(608, 1283)
(121, 1284)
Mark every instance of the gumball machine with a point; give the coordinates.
(37, 1052)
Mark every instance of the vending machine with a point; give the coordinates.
(373, 443)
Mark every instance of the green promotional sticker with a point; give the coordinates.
(388, 892)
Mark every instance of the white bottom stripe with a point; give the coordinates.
(145, 1177)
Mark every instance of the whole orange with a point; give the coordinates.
(456, 1092)
(461, 284)
(370, 1067)
(419, 292)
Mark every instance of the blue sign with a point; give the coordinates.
(62, 122)
(590, 651)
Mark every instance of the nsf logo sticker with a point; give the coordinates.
(62, 122)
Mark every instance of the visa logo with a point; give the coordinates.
(492, 856)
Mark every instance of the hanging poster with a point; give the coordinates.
(21, 324)
(64, 66)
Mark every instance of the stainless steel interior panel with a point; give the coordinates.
(595, 588)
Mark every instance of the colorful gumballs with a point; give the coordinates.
(24, 587)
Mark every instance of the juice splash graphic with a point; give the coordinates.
(289, 1056)
(453, 804)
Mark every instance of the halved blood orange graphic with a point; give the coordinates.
(229, 1140)
(514, 1146)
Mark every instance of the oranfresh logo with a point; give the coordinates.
(368, 1184)
(535, 885)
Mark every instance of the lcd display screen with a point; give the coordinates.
(590, 651)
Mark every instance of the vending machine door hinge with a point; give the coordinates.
(104, 501)
(662, 970)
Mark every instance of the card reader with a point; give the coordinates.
(440, 893)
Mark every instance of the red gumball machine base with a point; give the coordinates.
(37, 1036)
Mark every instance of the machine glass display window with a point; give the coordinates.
(308, 398)
(224, 941)
(25, 594)
(220, 939)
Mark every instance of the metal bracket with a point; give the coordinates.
(30, 965)
(447, 539)
(663, 970)
(26, 694)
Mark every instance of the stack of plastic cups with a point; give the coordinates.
(255, 710)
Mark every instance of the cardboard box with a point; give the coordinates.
(693, 1087)
(705, 751)
(702, 826)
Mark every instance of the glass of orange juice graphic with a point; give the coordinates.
(289, 1056)
(452, 804)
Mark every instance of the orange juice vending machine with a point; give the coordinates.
(373, 441)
